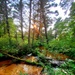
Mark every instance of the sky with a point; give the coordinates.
(60, 10)
(61, 13)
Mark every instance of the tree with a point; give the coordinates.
(72, 10)
(29, 23)
(19, 14)
(50, 34)
(44, 21)
(66, 4)
(21, 17)
(72, 18)
(2, 16)
(6, 17)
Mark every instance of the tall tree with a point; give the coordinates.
(72, 18)
(43, 17)
(33, 23)
(6, 19)
(72, 10)
(18, 15)
(29, 23)
(21, 17)
(2, 15)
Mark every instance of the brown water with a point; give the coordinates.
(53, 55)
(9, 68)
(56, 56)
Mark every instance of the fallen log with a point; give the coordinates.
(24, 60)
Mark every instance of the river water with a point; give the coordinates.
(7, 67)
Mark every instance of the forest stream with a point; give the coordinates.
(9, 68)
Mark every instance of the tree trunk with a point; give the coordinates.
(21, 17)
(45, 28)
(7, 23)
(33, 23)
(43, 17)
(29, 25)
(40, 25)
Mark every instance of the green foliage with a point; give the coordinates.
(65, 46)
(1, 55)
(12, 27)
(3, 29)
(70, 52)
(23, 47)
(65, 35)
(65, 41)
(69, 66)
(72, 9)
(59, 71)
(23, 73)
(38, 44)
(6, 46)
(2, 25)
(36, 52)
(48, 70)
(3, 42)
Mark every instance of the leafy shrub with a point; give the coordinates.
(1, 55)
(70, 52)
(69, 66)
(59, 71)
(8, 47)
(63, 46)
(3, 42)
(36, 44)
(48, 70)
